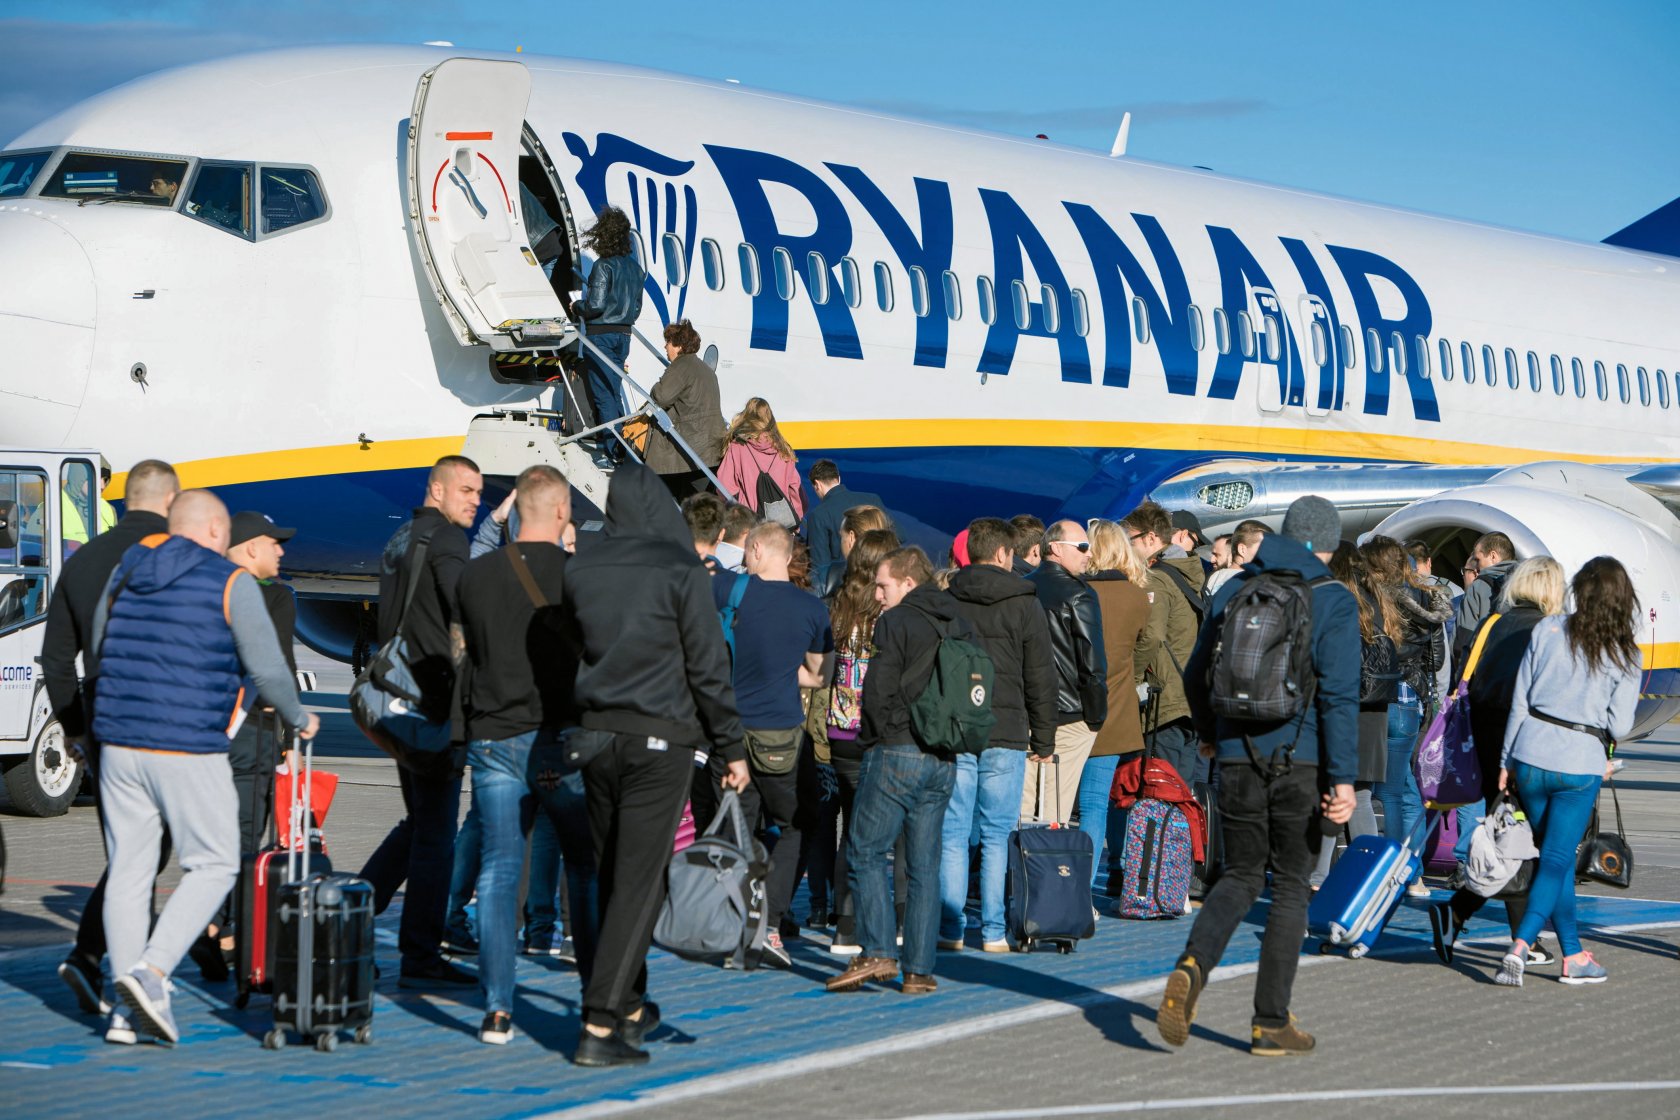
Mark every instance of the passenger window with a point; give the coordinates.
(1023, 312)
(1245, 334)
(1580, 373)
(78, 515)
(851, 286)
(1082, 316)
(1140, 320)
(1662, 389)
(953, 296)
(918, 291)
(1467, 358)
(1320, 345)
(638, 251)
(1221, 330)
(1274, 336)
(1423, 357)
(221, 196)
(1399, 345)
(1512, 377)
(1557, 375)
(1533, 372)
(1373, 350)
(292, 197)
(1446, 360)
(1622, 383)
(24, 514)
(711, 263)
(1644, 388)
(986, 295)
(883, 286)
(1489, 374)
(1601, 380)
(676, 267)
(150, 180)
(781, 261)
(1198, 339)
(816, 278)
(1052, 312)
(1349, 357)
(752, 281)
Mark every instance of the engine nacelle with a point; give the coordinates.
(1573, 512)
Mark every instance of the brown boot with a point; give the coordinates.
(918, 984)
(1279, 1042)
(861, 971)
(1178, 1002)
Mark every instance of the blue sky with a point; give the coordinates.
(1542, 115)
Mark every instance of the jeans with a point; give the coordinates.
(986, 791)
(1264, 825)
(505, 806)
(606, 393)
(420, 850)
(1558, 808)
(463, 875)
(560, 791)
(1178, 744)
(1398, 791)
(1096, 819)
(544, 910)
(901, 789)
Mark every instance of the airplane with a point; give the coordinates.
(303, 275)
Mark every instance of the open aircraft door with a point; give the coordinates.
(464, 138)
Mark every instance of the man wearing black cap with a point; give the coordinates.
(1187, 534)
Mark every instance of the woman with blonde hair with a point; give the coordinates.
(1120, 580)
(1533, 591)
(760, 468)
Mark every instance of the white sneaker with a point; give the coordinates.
(120, 1032)
(845, 948)
(1418, 889)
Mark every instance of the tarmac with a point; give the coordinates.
(1022, 1035)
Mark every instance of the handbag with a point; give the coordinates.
(1448, 774)
(1605, 856)
(385, 700)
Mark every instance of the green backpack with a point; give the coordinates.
(954, 712)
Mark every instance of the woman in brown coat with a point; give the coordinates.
(1121, 582)
(688, 392)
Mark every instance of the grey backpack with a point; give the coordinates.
(714, 900)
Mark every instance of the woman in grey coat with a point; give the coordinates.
(688, 392)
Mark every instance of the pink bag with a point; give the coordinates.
(685, 828)
(1439, 856)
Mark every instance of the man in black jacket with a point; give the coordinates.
(653, 688)
(902, 788)
(1076, 647)
(1012, 630)
(421, 847)
(149, 492)
(822, 524)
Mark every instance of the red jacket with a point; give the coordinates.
(1158, 781)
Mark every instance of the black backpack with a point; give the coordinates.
(1261, 670)
(773, 504)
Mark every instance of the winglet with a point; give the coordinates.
(1656, 232)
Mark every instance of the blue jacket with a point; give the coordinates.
(170, 677)
(614, 299)
(1329, 731)
(822, 528)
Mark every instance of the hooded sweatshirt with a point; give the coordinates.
(743, 462)
(903, 663)
(1014, 632)
(653, 661)
(1327, 733)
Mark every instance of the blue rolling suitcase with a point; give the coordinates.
(1363, 890)
(1049, 883)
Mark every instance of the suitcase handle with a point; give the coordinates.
(1038, 774)
(299, 815)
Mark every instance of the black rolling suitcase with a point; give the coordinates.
(1049, 880)
(320, 943)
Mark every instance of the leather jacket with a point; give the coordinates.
(1076, 645)
(614, 299)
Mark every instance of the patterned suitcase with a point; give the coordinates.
(1157, 861)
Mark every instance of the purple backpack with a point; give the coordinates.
(1157, 861)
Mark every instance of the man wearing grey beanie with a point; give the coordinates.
(1269, 784)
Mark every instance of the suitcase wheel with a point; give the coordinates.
(364, 1034)
(275, 1039)
(1325, 948)
(1358, 951)
(327, 1043)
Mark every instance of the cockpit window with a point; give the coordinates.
(291, 196)
(221, 195)
(94, 176)
(18, 171)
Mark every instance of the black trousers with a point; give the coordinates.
(635, 793)
(90, 931)
(421, 851)
(252, 755)
(1488, 730)
(772, 799)
(1264, 826)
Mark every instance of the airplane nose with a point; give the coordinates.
(48, 305)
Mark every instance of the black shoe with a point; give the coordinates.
(438, 974)
(1116, 885)
(595, 1051)
(459, 943)
(1443, 926)
(206, 953)
(83, 978)
(633, 1031)
(788, 927)
(819, 919)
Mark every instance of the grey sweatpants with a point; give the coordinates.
(141, 791)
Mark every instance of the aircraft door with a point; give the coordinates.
(464, 146)
(1318, 358)
(1265, 342)
(27, 510)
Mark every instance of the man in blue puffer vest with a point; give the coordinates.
(182, 636)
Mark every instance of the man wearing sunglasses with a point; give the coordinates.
(1076, 650)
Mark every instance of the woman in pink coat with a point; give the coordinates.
(754, 447)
